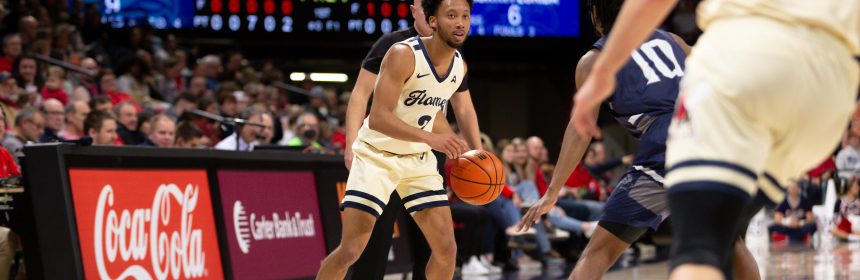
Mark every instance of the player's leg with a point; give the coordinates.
(604, 248)
(420, 248)
(368, 188)
(427, 201)
(743, 264)
(374, 260)
(357, 226)
(637, 203)
(436, 224)
(724, 131)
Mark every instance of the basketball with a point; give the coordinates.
(477, 177)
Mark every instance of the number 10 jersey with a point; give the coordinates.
(644, 98)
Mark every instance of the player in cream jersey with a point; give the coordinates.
(768, 91)
(424, 94)
(392, 150)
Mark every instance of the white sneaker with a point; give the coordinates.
(592, 226)
(492, 268)
(474, 267)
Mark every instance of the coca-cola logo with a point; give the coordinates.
(173, 253)
(139, 229)
(250, 227)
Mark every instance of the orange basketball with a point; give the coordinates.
(477, 177)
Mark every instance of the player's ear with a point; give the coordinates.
(431, 20)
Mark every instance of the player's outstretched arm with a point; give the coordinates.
(355, 110)
(467, 118)
(636, 21)
(397, 67)
(572, 149)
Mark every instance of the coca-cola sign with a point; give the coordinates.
(273, 224)
(145, 224)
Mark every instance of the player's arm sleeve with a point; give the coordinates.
(373, 61)
(464, 86)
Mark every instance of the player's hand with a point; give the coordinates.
(587, 103)
(449, 144)
(544, 205)
(347, 157)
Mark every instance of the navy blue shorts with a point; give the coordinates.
(638, 201)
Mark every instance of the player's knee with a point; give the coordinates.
(446, 250)
(351, 252)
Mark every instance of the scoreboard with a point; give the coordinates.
(507, 18)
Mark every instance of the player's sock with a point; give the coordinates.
(705, 218)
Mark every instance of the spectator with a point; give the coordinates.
(26, 72)
(29, 125)
(197, 86)
(209, 127)
(54, 86)
(127, 124)
(87, 82)
(848, 159)
(101, 103)
(189, 136)
(185, 103)
(11, 50)
(9, 91)
(228, 107)
(234, 65)
(101, 127)
(535, 149)
(28, 27)
(75, 115)
(307, 131)
(793, 217)
(107, 84)
(848, 213)
(163, 132)
(143, 124)
(134, 79)
(55, 117)
(246, 136)
(172, 83)
(8, 167)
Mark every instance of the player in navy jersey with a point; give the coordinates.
(643, 103)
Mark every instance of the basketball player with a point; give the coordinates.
(372, 263)
(392, 150)
(768, 92)
(643, 104)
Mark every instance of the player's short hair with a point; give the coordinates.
(432, 6)
(606, 11)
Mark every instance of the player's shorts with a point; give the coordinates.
(761, 103)
(375, 174)
(638, 201)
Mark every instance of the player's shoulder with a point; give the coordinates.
(399, 57)
(583, 67)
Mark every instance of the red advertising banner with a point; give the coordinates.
(273, 222)
(145, 224)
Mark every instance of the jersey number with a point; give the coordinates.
(424, 120)
(650, 50)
